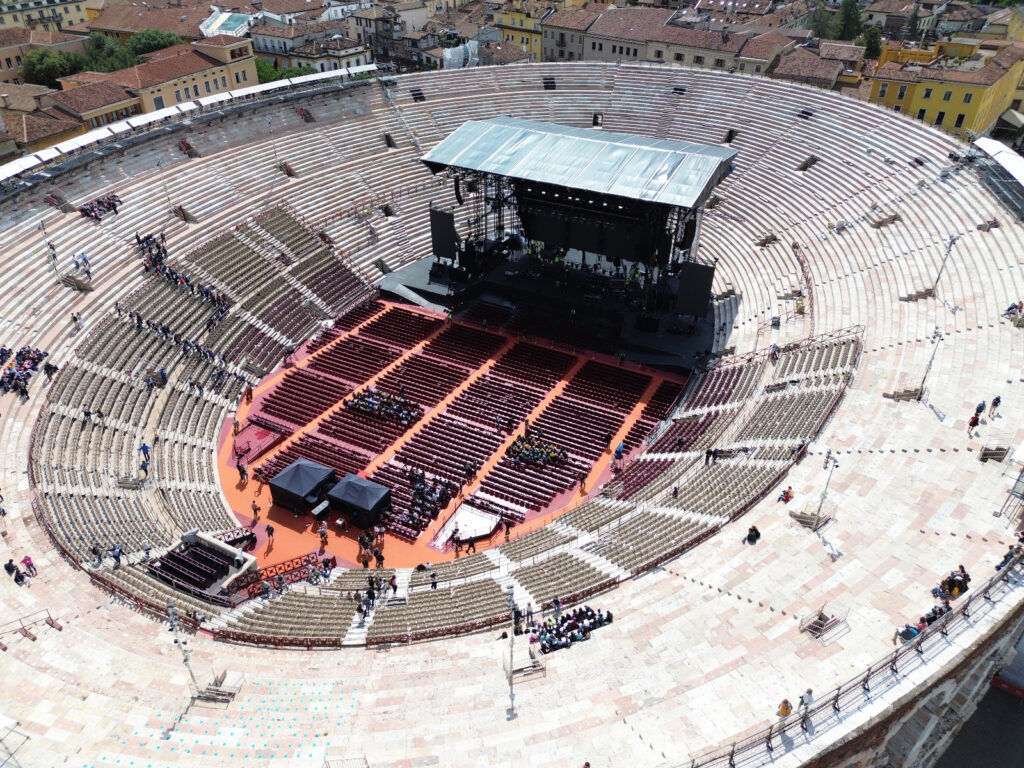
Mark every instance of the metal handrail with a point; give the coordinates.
(858, 689)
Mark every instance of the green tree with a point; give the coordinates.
(914, 25)
(105, 54)
(872, 42)
(821, 21)
(295, 72)
(266, 73)
(43, 66)
(149, 40)
(848, 24)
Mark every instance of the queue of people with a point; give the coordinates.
(16, 372)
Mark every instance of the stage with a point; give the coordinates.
(582, 301)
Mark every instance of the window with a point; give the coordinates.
(757, 70)
(968, 97)
(698, 60)
(9, 64)
(223, 81)
(593, 46)
(634, 53)
(238, 80)
(679, 57)
(561, 53)
(600, 46)
(882, 90)
(897, 108)
(743, 67)
(657, 54)
(927, 93)
(720, 63)
(959, 121)
(177, 95)
(207, 84)
(920, 114)
(947, 96)
(158, 102)
(939, 118)
(901, 93)
(195, 91)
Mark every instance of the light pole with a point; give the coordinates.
(186, 652)
(511, 645)
(831, 462)
(163, 183)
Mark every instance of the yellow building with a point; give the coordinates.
(53, 15)
(519, 23)
(961, 87)
(182, 72)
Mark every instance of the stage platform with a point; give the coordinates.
(563, 303)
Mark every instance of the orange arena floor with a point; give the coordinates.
(294, 536)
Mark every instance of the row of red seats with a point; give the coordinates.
(361, 430)
(341, 459)
(682, 434)
(534, 366)
(464, 346)
(355, 359)
(492, 398)
(402, 328)
(423, 380)
(303, 395)
(608, 386)
(639, 474)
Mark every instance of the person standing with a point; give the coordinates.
(972, 424)
(144, 450)
(270, 532)
(806, 699)
(96, 552)
(144, 466)
(255, 512)
(433, 580)
(116, 552)
(996, 402)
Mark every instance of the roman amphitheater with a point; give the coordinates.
(864, 263)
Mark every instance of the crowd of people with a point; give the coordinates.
(429, 496)
(564, 629)
(96, 209)
(23, 578)
(17, 372)
(384, 406)
(533, 450)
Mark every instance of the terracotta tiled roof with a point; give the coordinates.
(316, 47)
(163, 70)
(30, 127)
(763, 47)
(84, 78)
(571, 19)
(183, 22)
(288, 7)
(24, 98)
(726, 42)
(638, 24)
(290, 31)
(840, 51)
(12, 36)
(991, 71)
(504, 54)
(804, 64)
(898, 7)
(87, 98)
(221, 40)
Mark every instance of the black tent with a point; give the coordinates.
(301, 485)
(360, 499)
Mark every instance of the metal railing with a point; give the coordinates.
(857, 691)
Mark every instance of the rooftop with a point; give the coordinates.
(672, 173)
(804, 64)
(763, 47)
(291, 31)
(573, 18)
(87, 98)
(11, 36)
(183, 22)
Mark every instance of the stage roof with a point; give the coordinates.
(676, 173)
